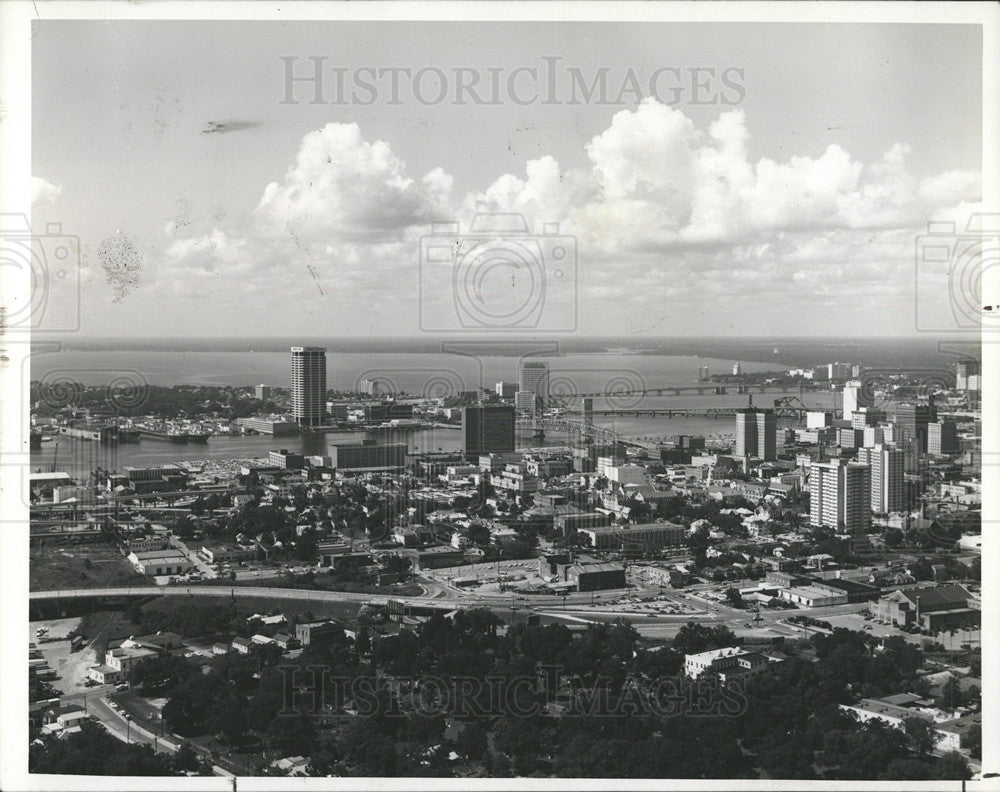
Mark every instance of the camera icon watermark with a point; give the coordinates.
(610, 389)
(425, 383)
(121, 392)
(498, 277)
(880, 389)
(50, 265)
(951, 266)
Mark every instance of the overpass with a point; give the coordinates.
(56, 601)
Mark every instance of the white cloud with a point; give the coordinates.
(343, 187)
(43, 191)
(662, 211)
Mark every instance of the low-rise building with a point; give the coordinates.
(160, 562)
(955, 735)
(596, 577)
(932, 608)
(309, 632)
(729, 662)
(223, 554)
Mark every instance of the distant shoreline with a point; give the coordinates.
(791, 352)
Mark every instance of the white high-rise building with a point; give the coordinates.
(873, 436)
(888, 485)
(840, 495)
(309, 385)
(535, 379)
(852, 398)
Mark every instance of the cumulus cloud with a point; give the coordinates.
(662, 210)
(43, 191)
(343, 187)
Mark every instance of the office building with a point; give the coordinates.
(266, 425)
(525, 401)
(535, 379)
(488, 429)
(840, 495)
(942, 438)
(286, 459)
(968, 375)
(309, 385)
(262, 392)
(690, 442)
(702, 372)
(756, 433)
(816, 419)
(873, 436)
(390, 411)
(914, 418)
(367, 456)
(588, 409)
(737, 369)
(888, 488)
(507, 390)
(837, 372)
(850, 438)
(853, 398)
(864, 417)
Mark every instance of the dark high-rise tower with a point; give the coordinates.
(488, 429)
(756, 433)
(309, 385)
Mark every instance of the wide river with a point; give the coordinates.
(431, 374)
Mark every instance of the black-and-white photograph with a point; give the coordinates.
(561, 396)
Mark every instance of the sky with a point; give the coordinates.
(729, 179)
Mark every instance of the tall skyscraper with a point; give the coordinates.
(525, 402)
(942, 438)
(488, 429)
(840, 495)
(309, 385)
(756, 433)
(737, 369)
(262, 392)
(535, 379)
(703, 372)
(853, 399)
(914, 419)
(888, 487)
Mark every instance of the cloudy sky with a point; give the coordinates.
(759, 179)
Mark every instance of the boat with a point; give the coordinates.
(171, 436)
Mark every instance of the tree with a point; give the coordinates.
(478, 534)
(161, 673)
(293, 735)
(951, 695)
(363, 643)
(952, 766)
(471, 741)
(734, 598)
(186, 759)
(920, 735)
(693, 638)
